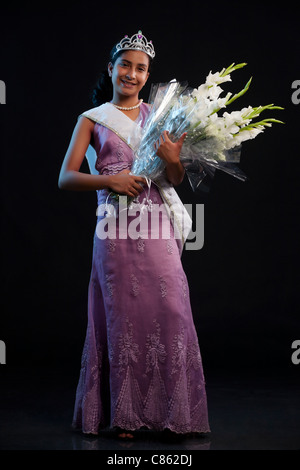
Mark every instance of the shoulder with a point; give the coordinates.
(92, 116)
(93, 111)
(84, 125)
(146, 108)
(85, 121)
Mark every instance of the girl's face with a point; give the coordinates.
(129, 73)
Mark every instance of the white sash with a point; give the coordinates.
(131, 133)
(112, 118)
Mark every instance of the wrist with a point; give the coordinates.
(107, 181)
(174, 163)
(175, 172)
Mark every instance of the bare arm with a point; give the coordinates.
(71, 178)
(175, 172)
(169, 152)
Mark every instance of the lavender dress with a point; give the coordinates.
(141, 364)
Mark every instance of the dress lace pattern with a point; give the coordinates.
(179, 410)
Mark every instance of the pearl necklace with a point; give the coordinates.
(123, 108)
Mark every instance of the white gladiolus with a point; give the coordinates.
(216, 78)
(211, 136)
(214, 92)
(200, 92)
(241, 136)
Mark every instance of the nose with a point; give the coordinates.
(130, 74)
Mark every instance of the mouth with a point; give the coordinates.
(128, 84)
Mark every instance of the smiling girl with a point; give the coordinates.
(141, 364)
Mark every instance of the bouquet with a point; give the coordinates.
(213, 139)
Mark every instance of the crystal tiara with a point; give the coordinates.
(137, 42)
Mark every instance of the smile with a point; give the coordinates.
(128, 84)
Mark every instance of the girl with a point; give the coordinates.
(141, 363)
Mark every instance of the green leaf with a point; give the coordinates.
(231, 68)
(263, 123)
(241, 93)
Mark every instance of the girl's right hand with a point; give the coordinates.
(125, 183)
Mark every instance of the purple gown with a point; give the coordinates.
(141, 364)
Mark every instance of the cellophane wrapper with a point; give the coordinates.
(172, 107)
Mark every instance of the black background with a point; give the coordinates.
(244, 282)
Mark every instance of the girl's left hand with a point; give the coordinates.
(167, 150)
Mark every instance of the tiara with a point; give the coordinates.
(137, 42)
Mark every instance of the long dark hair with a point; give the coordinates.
(103, 90)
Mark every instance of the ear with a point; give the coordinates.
(110, 69)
